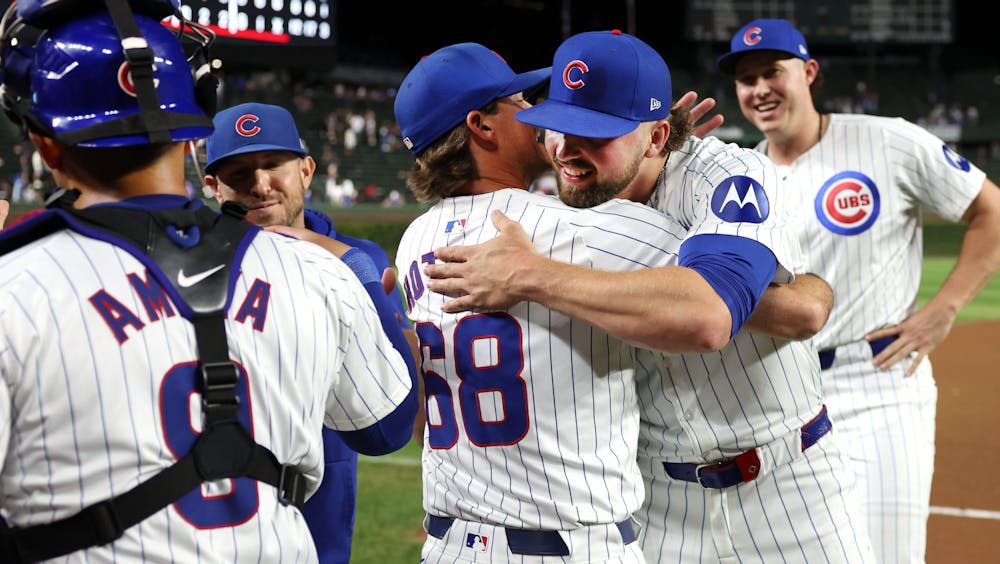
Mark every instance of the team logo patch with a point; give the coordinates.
(954, 159)
(125, 79)
(848, 203)
(246, 125)
(752, 36)
(454, 226)
(476, 542)
(574, 80)
(740, 199)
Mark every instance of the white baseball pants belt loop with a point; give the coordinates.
(749, 465)
(827, 356)
(528, 542)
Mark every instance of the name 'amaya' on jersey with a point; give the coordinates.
(155, 304)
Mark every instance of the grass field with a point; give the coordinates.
(389, 510)
(388, 524)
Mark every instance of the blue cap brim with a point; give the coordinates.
(574, 120)
(251, 149)
(727, 62)
(526, 80)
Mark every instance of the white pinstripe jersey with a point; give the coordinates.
(98, 379)
(861, 191)
(532, 415)
(706, 407)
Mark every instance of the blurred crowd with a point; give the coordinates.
(350, 131)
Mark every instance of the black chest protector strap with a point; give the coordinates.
(225, 448)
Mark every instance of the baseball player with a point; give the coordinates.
(166, 369)
(4, 210)
(255, 157)
(735, 445)
(532, 417)
(859, 183)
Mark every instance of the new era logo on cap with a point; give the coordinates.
(604, 84)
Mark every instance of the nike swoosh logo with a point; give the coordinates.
(185, 281)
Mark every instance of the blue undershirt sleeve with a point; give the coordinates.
(393, 431)
(738, 268)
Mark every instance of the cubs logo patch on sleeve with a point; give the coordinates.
(954, 159)
(848, 203)
(740, 199)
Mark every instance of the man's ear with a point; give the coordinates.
(480, 128)
(50, 150)
(658, 137)
(308, 168)
(812, 70)
(212, 185)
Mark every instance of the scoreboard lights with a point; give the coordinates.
(289, 22)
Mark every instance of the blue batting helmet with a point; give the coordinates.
(83, 88)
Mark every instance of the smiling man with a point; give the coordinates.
(860, 184)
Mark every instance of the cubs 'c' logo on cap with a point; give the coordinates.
(125, 79)
(740, 199)
(848, 203)
(954, 159)
(574, 80)
(246, 125)
(752, 36)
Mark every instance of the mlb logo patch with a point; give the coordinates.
(454, 226)
(476, 542)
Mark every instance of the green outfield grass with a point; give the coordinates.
(986, 306)
(387, 529)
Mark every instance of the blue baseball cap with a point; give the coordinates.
(449, 83)
(603, 85)
(249, 128)
(765, 34)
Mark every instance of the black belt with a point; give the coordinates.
(743, 468)
(827, 356)
(527, 542)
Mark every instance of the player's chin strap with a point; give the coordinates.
(225, 448)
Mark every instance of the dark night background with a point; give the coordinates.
(527, 32)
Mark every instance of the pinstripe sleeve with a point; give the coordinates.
(373, 378)
(933, 173)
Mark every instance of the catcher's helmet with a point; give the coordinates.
(77, 80)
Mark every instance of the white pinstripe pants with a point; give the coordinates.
(889, 422)
(802, 511)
